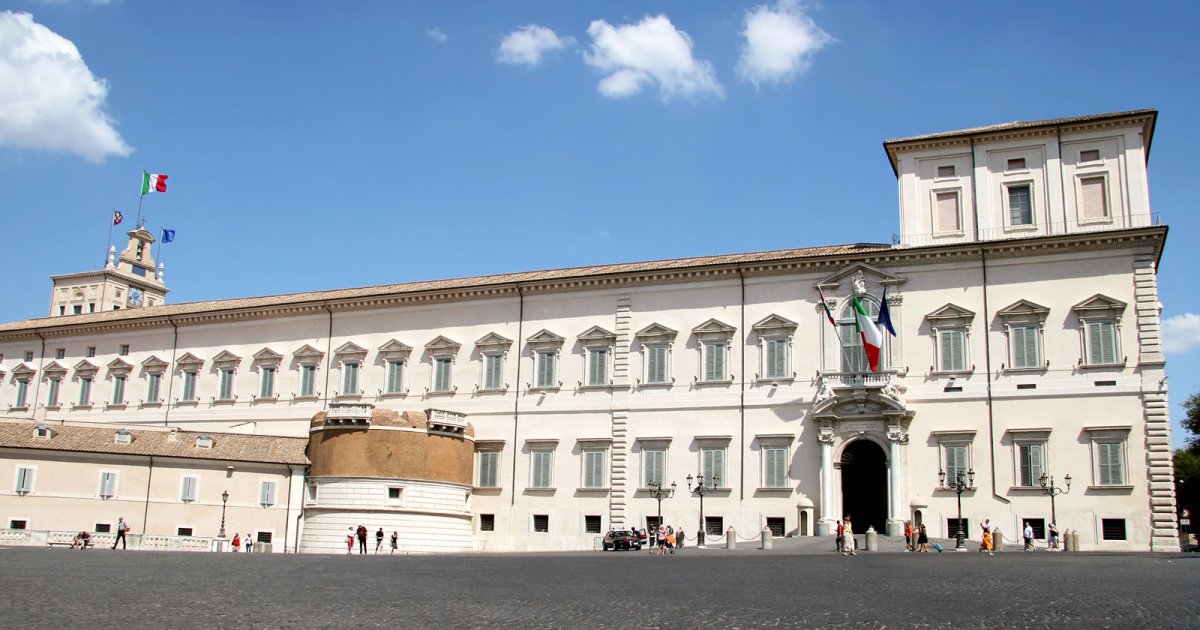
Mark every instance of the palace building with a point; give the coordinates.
(537, 410)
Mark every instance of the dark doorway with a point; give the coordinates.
(864, 486)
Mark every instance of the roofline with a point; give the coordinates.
(890, 145)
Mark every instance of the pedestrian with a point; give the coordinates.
(908, 537)
(1028, 535)
(237, 543)
(671, 540)
(395, 540)
(122, 528)
(350, 541)
(249, 542)
(362, 539)
(922, 539)
(378, 540)
(986, 545)
(679, 538)
(661, 534)
(848, 542)
(1052, 536)
(840, 541)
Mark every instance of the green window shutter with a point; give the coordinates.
(188, 491)
(1112, 471)
(189, 385)
(597, 367)
(266, 493)
(714, 467)
(152, 385)
(488, 465)
(776, 465)
(593, 469)
(52, 396)
(492, 371)
(654, 467)
(656, 364)
(24, 480)
(1020, 347)
(545, 369)
(714, 367)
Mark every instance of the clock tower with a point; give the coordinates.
(128, 281)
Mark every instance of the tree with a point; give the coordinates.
(1191, 421)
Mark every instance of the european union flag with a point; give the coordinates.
(168, 235)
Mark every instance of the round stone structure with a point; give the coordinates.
(407, 472)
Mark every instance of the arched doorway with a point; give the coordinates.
(864, 485)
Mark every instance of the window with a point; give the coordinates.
(952, 350)
(955, 462)
(393, 493)
(597, 366)
(592, 524)
(946, 170)
(487, 522)
(489, 469)
(91, 351)
(124, 350)
(103, 528)
(714, 361)
(953, 524)
(541, 469)
(1112, 528)
(153, 382)
(118, 390)
(545, 369)
(263, 537)
(493, 371)
(183, 531)
(52, 394)
(308, 380)
(22, 392)
(776, 525)
(593, 469)
(24, 481)
(350, 378)
(108, 484)
(656, 364)
(28, 356)
(541, 523)
(266, 493)
(1031, 459)
(653, 466)
(1016, 164)
(266, 386)
(948, 217)
(187, 489)
(225, 391)
(189, 385)
(1038, 525)
(1093, 198)
(1024, 321)
(775, 467)
(60, 353)
(1020, 204)
(714, 338)
(1089, 155)
(85, 391)
(395, 376)
(777, 358)
(1026, 346)
(1110, 463)
(712, 464)
(441, 375)
(1101, 342)
(714, 526)
(854, 356)
(18, 523)
(78, 308)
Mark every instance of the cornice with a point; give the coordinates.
(1151, 237)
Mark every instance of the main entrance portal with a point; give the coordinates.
(864, 486)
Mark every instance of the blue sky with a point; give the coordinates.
(316, 145)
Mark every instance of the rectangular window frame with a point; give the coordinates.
(714, 366)
(654, 465)
(546, 369)
(596, 364)
(189, 385)
(394, 383)
(53, 392)
(308, 381)
(713, 465)
(350, 372)
(1093, 346)
(657, 364)
(225, 384)
(492, 377)
(118, 398)
(1109, 448)
(1021, 344)
(85, 391)
(266, 382)
(24, 479)
(487, 468)
(443, 375)
(1010, 217)
(153, 387)
(776, 358)
(267, 490)
(947, 362)
(936, 215)
(775, 468)
(541, 468)
(22, 399)
(107, 487)
(1081, 180)
(1031, 462)
(594, 471)
(188, 488)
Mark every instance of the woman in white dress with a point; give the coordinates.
(848, 547)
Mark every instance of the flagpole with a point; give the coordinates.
(833, 324)
(111, 223)
(141, 196)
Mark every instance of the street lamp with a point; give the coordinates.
(224, 500)
(700, 490)
(658, 493)
(961, 484)
(1053, 491)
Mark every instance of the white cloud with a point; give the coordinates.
(650, 52)
(437, 35)
(780, 43)
(1181, 333)
(50, 100)
(528, 44)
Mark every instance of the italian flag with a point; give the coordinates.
(153, 183)
(871, 336)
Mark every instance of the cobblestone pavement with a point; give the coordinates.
(806, 586)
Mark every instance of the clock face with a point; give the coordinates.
(135, 296)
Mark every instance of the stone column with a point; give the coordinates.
(895, 523)
(828, 523)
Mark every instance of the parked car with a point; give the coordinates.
(619, 539)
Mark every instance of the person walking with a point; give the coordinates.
(362, 539)
(671, 539)
(237, 542)
(986, 545)
(849, 544)
(840, 541)
(662, 540)
(395, 540)
(122, 529)
(249, 543)
(1028, 535)
(350, 541)
(679, 538)
(922, 540)
(1052, 537)
(908, 537)
(378, 540)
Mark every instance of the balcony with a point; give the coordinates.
(858, 380)
(349, 413)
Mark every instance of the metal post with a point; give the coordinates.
(1053, 491)
(658, 493)
(962, 483)
(700, 490)
(224, 500)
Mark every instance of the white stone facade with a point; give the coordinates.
(1022, 348)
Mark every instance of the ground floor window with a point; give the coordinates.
(714, 525)
(591, 524)
(952, 527)
(17, 524)
(1112, 528)
(264, 537)
(183, 531)
(102, 528)
(652, 523)
(541, 523)
(775, 524)
(487, 522)
(1038, 525)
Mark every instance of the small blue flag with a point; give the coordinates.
(169, 235)
(885, 315)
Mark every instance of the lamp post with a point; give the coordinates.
(1053, 491)
(961, 484)
(224, 500)
(658, 493)
(700, 490)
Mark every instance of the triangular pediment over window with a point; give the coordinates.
(545, 339)
(153, 364)
(1099, 306)
(119, 366)
(226, 358)
(597, 335)
(493, 341)
(267, 356)
(774, 324)
(1023, 311)
(834, 280)
(307, 355)
(189, 360)
(395, 350)
(23, 370)
(350, 351)
(951, 315)
(54, 369)
(441, 343)
(656, 333)
(714, 329)
(85, 367)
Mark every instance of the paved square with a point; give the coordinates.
(696, 588)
